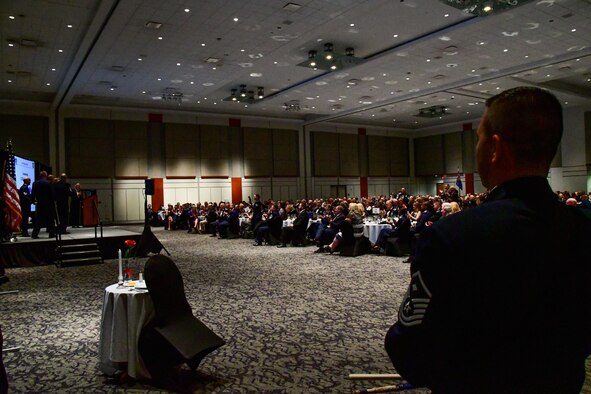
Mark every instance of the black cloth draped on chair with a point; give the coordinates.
(175, 336)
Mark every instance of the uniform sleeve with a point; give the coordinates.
(412, 342)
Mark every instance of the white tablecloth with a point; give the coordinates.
(372, 230)
(125, 312)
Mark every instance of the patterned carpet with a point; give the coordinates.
(294, 321)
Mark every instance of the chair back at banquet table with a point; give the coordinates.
(175, 335)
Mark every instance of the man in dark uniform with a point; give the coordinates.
(42, 194)
(24, 194)
(499, 295)
(62, 192)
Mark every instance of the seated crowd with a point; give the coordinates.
(327, 223)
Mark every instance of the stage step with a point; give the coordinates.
(78, 254)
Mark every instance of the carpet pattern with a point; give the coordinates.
(294, 321)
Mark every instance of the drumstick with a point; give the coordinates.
(386, 389)
(369, 376)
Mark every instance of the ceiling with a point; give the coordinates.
(411, 54)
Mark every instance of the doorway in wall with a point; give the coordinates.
(338, 190)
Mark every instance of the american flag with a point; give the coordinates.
(12, 210)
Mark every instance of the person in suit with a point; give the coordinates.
(297, 232)
(62, 192)
(43, 197)
(498, 300)
(77, 202)
(24, 194)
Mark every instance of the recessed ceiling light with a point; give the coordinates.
(574, 30)
(112, 88)
(547, 75)
(588, 79)
(428, 60)
(408, 78)
(192, 83)
(60, 50)
(10, 81)
(526, 56)
(198, 102)
(69, 26)
(11, 17)
(160, 79)
(352, 25)
(139, 59)
(566, 102)
(242, 50)
(245, 105)
(395, 36)
(178, 64)
(10, 44)
(215, 103)
(160, 37)
(446, 15)
(53, 69)
(505, 50)
(578, 60)
(214, 68)
(143, 92)
(487, 8)
(202, 44)
(187, 10)
(445, 38)
(48, 84)
(256, 75)
(274, 62)
(235, 19)
(428, 82)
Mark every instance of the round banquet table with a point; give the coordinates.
(372, 230)
(125, 312)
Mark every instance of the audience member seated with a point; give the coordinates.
(326, 236)
(350, 230)
(268, 225)
(297, 232)
(400, 230)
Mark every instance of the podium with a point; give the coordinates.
(90, 215)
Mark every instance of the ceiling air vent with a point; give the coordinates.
(29, 43)
(117, 68)
(153, 25)
(292, 7)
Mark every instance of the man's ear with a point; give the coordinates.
(497, 148)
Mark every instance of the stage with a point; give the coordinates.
(27, 252)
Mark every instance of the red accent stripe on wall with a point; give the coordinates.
(234, 122)
(155, 118)
(467, 127)
(363, 189)
(236, 189)
(158, 197)
(469, 182)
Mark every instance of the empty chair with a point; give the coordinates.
(174, 336)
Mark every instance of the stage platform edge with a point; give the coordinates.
(27, 252)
